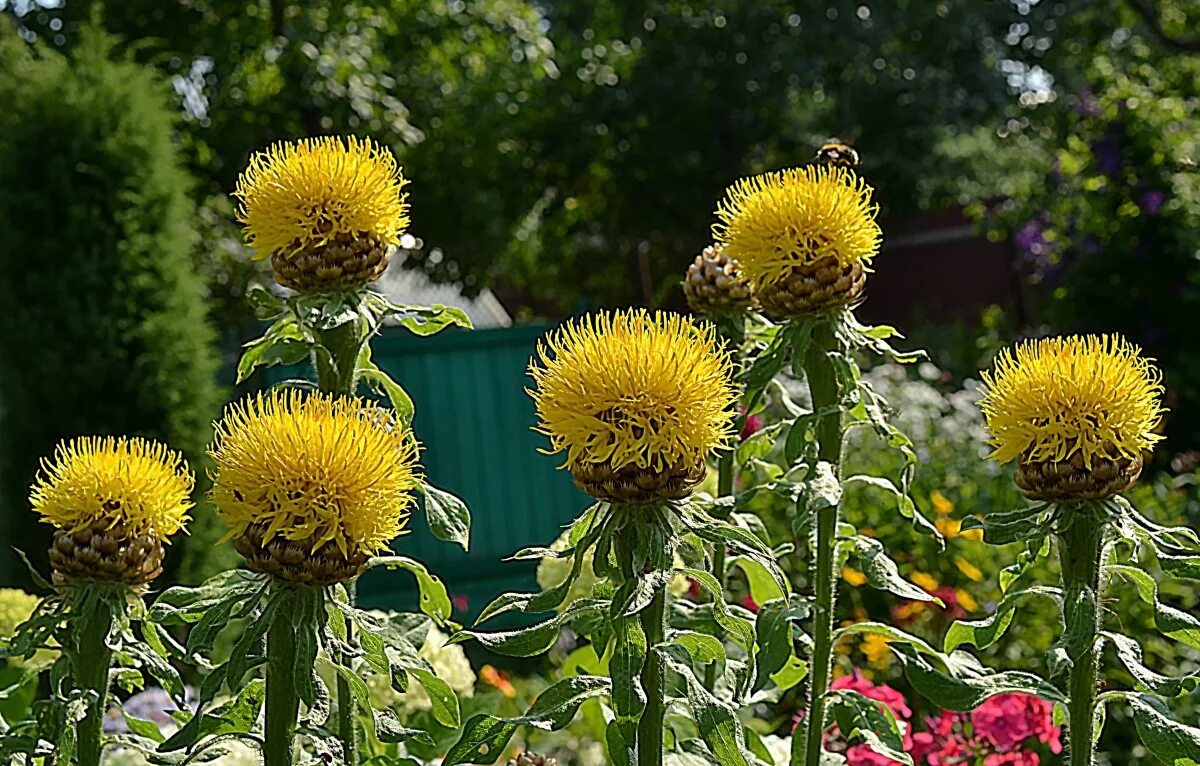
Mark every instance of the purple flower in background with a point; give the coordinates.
(1108, 156)
(1086, 104)
(1030, 238)
(1152, 201)
(153, 704)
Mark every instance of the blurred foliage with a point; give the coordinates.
(103, 329)
(1101, 193)
(571, 151)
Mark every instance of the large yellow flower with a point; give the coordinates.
(634, 390)
(315, 469)
(299, 195)
(103, 482)
(774, 223)
(1053, 399)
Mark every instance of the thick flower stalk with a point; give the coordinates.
(636, 401)
(1077, 414)
(326, 211)
(804, 237)
(312, 486)
(114, 503)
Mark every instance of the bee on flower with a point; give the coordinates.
(803, 237)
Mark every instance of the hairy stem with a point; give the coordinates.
(337, 373)
(92, 659)
(283, 704)
(720, 550)
(650, 727)
(822, 382)
(1080, 545)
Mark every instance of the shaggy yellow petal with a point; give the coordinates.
(1048, 399)
(301, 195)
(774, 222)
(139, 484)
(633, 388)
(315, 467)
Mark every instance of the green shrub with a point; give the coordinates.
(102, 328)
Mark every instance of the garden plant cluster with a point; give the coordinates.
(693, 607)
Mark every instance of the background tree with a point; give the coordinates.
(103, 329)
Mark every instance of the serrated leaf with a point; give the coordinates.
(442, 697)
(872, 723)
(537, 638)
(484, 736)
(625, 668)
(716, 721)
(1129, 652)
(1012, 526)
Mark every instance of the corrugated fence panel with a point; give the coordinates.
(475, 421)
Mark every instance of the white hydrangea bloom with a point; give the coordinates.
(780, 749)
(449, 663)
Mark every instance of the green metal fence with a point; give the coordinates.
(474, 419)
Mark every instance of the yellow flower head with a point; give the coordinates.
(137, 484)
(774, 222)
(301, 195)
(314, 467)
(1048, 399)
(633, 388)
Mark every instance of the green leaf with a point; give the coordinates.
(445, 703)
(1010, 526)
(985, 632)
(383, 384)
(904, 503)
(435, 601)
(625, 668)
(883, 573)
(1173, 743)
(1129, 652)
(234, 717)
(873, 723)
(430, 320)
(484, 737)
(1171, 622)
(537, 638)
(284, 342)
(958, 682)
(142, 727)
(448, 517)
(716, 721)
(739, 628)
(773, 631)
(266, 304)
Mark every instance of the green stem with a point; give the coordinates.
(337, 372)
(92, 660)
(720, 550)
(283, 704)
(650, 727)
(1080, 545)
(822, 382)
(345, 710)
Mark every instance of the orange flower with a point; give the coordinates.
(499, 679)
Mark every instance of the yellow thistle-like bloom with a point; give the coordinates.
(1077, 410)
(636, 400)
(804, 237)
(105, 482)
(114, 502)
(316, 474)
(325, 210)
